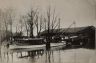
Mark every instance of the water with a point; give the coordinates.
(79, 55)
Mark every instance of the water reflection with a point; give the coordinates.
(43, 56)
(10, 57)
(31, 53)
(35, 56)
(53, 55)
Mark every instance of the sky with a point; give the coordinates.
(83, 12)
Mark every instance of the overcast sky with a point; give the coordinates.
(81, 11)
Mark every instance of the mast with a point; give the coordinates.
(59, 25)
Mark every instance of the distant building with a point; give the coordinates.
(82, 36)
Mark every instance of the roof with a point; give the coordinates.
(66, 30)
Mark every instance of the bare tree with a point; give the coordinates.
(41, 24)
(5, 20)
(27, 28)
(10, 16)
(1, 13)
(25, 19)
(52, 22)
(45, 27)
(21, 23)
(37, 24)
(31, 19)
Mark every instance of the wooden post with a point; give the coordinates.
(48, 43)
(21, 54)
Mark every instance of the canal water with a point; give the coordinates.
(79, 55)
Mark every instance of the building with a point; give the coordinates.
(78, 36)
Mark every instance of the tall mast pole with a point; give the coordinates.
(59, 24)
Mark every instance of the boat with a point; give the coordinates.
(29, 41)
